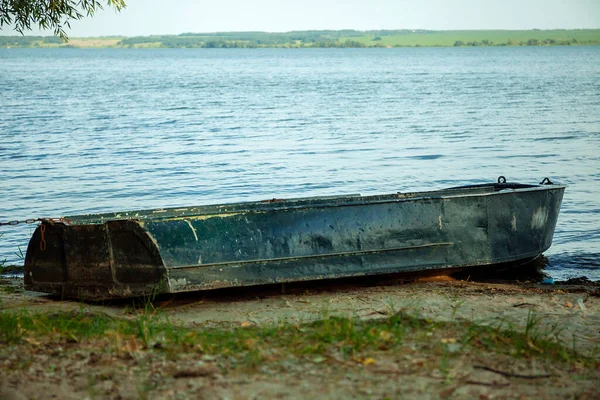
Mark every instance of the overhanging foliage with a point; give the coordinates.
(49, 14)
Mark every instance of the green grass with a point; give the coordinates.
(332, 338)
(494, 37)
(6, 287)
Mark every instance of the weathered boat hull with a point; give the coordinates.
(175, 250)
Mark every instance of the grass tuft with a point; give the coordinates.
(332, 338)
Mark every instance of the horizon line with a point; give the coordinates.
(413, 30)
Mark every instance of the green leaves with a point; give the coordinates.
(50, 14)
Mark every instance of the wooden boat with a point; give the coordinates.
(174, 250)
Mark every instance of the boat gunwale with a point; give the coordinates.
(227, 209)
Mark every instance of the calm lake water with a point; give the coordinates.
(85, 131)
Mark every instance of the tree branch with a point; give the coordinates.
(50, 14)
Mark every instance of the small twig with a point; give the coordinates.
(511, 375)
(375, 312)
(362, 299)
(526, 304)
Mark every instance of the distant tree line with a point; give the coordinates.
(239, 42)
(27, 41)
(529, 42)
(195, 43)
(329, 39)
(322, 38)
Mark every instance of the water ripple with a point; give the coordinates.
(130, 129)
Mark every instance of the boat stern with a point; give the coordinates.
(115, 259)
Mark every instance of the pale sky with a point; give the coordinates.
(146, 17)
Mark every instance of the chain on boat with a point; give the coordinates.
(30, 221)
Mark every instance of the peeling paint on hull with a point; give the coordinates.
(198, 248)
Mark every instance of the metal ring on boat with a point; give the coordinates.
(501, 179)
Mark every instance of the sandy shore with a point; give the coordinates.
(571, 312)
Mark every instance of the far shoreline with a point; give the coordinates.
(323, 39)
